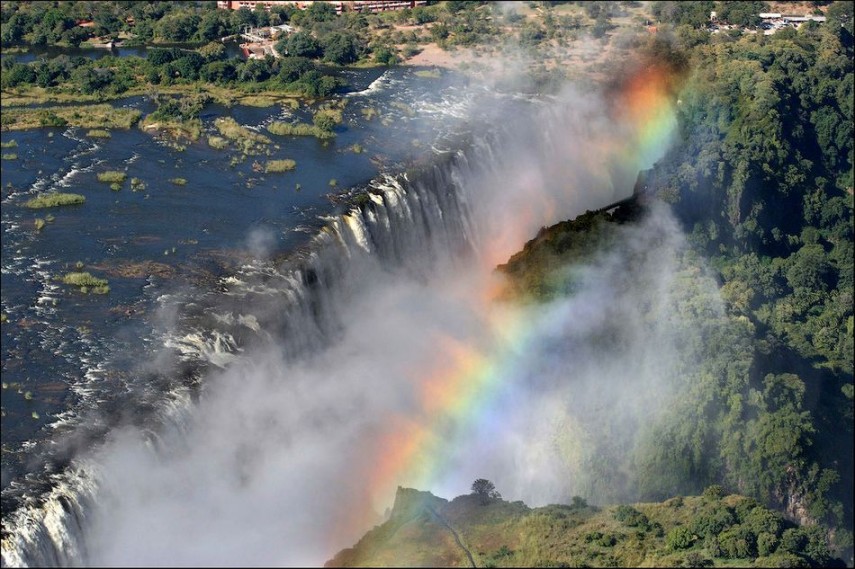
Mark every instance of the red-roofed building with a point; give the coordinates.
(340, 6)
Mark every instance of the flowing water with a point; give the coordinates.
(238, 268)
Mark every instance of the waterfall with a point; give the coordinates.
(483, 196)
(414, 215)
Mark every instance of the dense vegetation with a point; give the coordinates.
(699, 531)
(322, 38)
(762, 180)
(53, 199)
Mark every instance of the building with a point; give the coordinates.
(252, 4)
(802, 19)
(380, 5)
(340, 6)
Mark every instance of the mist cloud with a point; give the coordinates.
(275, 464)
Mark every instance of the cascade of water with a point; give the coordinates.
(406, 217)
(409, 223)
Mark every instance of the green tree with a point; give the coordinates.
(741, 13)
(485, 489)
(679, 538)
(341, 47)
(292, 68)
(302, 44)
(385, 55)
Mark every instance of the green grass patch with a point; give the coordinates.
(285, 165)
(54, 200)
(137, 185)
(369, 113)
(217, 142)
(299, 129)
(258, 101)
(82, 279)
(428, 73)
(248, 141)
(39, 223)
(98, 133)
(178, 181)
(81, 116)
(112, 177)
(175, 128)
(229, 127)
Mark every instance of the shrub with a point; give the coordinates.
(711, 523)
(714, 492)
(54, 200)
(11, 144)
(248, 140)
(217, 142)
(631, 517)
(767, 543)
(679, 538)
(410, 51)
(39, 223)
(738, 542)
(10, 156)
(299, 129)
(780, 560)
(760, 520)
(230, 128)
(695, 559)
(178, 181)
(49, 118)
(98, 133)
(793, 540)
(326, 119)
(82, 279)
(112, 177)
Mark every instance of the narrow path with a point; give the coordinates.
(441, 520)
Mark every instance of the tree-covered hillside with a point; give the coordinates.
(761, 179)
(482, 531)
(762, 176)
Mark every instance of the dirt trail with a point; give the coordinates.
(442, 521)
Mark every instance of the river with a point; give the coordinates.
(70, 359)
(237, 395)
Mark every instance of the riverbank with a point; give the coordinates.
(226, 96)
(101, 116)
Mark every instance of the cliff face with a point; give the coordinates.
(472, 531)
(414, 535)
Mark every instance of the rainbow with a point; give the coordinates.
(646, 102)
(461, 390)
